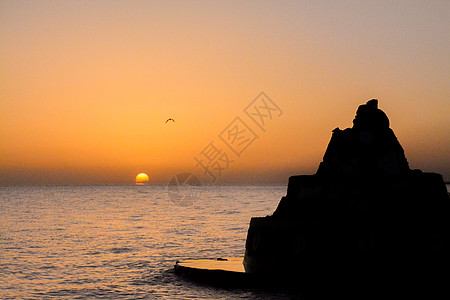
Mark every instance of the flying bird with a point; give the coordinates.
(170, 120)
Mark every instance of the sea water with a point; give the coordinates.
(121, 242)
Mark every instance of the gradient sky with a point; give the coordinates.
(86, 86)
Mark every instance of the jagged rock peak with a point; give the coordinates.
(370, 147)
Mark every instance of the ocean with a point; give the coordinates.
(121, 242)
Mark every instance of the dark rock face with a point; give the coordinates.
(363, 213)
(370, 147)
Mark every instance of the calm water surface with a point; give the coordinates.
(121, 241)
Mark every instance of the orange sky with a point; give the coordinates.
(86, 86)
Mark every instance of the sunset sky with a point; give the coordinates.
(87, 86)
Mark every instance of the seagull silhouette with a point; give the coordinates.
(170, 120)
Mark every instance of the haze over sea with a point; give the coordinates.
(121, 242)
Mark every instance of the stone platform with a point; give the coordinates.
(220, 272)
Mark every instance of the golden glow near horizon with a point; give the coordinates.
(142, 178)
(86, 87)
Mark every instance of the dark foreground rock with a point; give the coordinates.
(363, 217)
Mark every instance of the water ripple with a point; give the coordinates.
(118, 242)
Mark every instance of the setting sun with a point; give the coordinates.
(142, 178)
(152, 95)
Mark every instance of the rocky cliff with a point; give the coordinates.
(365, 213)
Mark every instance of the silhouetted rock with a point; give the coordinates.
(369, 148)
(363, 216)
